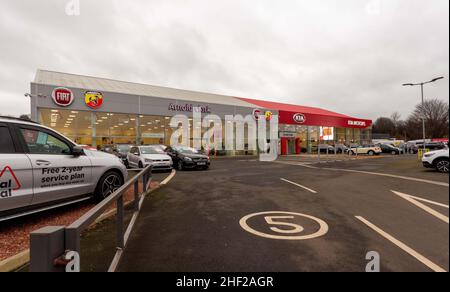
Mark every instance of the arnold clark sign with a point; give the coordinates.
(188, 108)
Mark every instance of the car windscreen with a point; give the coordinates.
(151, 150)
(187, 150)
(123, 148)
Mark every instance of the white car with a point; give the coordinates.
(41, 169)
(438, 160)
(143, 156)
(369, 150)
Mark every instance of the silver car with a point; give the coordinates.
(42, 169)
(143, 156)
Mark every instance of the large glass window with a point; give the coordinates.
(73, 124)
(115, 128)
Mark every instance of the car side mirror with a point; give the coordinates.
(77, 151)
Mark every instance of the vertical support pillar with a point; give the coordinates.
(94, 129)
(46, 245)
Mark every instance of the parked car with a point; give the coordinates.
(324, 147)
(87, 147)
(162, 147)
(341, 148)
(41, 169)
(107, 149)
(369, 150)
(390, 149)
(432, 145)
(185, 157)
(438, 160)
(143, 156)
(121, 151)
(409, 148)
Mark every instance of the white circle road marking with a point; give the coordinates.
(269, 219)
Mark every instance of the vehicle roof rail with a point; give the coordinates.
(18, 119)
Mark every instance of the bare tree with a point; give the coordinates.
(436, 115)
(384, 125)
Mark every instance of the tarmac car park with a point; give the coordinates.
(41, 169)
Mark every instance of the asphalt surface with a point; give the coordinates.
(193, 224)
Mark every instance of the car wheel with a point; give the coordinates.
(141, 166)
(442, 165)
(108, 184)
(394, 153)
(180, 165)
(371, 153)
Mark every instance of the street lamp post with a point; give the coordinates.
(423, 103)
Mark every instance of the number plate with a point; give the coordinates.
(201, 163)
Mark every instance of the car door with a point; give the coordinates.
(57, 173)
(172, 153)
(16, 173)
(132, 157)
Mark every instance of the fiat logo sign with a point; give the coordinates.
(299, 118)
(62, 96)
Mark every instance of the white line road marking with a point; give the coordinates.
(300, 186)
(430, 202)
(269, 218)
(438, 183)
(169, 178)
(403, 246)
(414, 201)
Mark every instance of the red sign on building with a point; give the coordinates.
(62, 97)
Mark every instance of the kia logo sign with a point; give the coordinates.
(62, 96)
(299, 118)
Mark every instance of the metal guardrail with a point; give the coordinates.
(50, 246)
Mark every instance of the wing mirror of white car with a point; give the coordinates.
(77, 151)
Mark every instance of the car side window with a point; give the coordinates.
(39, 142)
(6, 142)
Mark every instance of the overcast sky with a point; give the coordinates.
(349, 56)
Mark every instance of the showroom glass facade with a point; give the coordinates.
(97, 129)
(310, 137)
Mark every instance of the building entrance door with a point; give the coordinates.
(290, 146)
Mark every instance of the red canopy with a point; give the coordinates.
(312, 116)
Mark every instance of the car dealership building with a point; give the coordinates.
(97, 111)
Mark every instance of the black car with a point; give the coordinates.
(121, 151)
(188, 158)
(387, 148)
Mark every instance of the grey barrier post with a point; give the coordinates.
(328, 157)
(46, 245)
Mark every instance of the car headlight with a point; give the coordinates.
(188, 159)
(148, 160)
